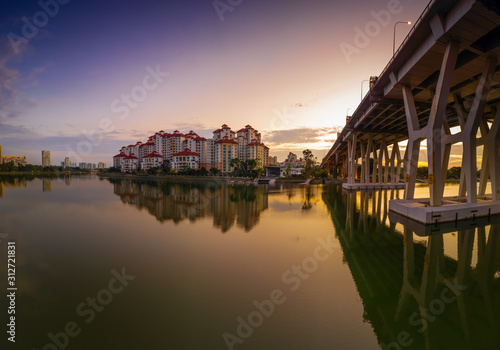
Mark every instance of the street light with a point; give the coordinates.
(347, 116)
(394, 37)
(362, 88)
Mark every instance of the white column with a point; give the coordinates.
(471, 126)
(435, 123)
(367, 158)
(493, 142)
(363, 162)
(415, 135)
(485, 164)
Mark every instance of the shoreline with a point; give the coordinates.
(224, 179)
(43, 173)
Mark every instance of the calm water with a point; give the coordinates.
(124, 264)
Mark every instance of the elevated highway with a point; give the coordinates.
(442, 87)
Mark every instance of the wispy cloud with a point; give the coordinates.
(12, 99)
(300, 136)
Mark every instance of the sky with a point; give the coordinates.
(83, 78)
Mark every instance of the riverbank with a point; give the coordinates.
(44, 173)
(178, 178)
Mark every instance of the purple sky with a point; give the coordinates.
(283, 66)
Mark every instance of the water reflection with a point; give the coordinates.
(47, 184)
(11, 181)
(435, 292)
(227, 205)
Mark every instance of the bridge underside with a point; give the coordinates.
(442, 88)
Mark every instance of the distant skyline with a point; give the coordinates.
(93, 76)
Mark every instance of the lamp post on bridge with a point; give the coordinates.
(362, 88)
(394, 37)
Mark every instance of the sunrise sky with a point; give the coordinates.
(281, 66)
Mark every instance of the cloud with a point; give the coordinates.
(12, 102)
(9, 96)
(299, 135)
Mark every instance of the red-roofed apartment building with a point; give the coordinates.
(186, 159)
(215, 152)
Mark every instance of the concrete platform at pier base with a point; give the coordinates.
(452, 209)
(375, 186)
(425, 230)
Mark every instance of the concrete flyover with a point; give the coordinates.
(442, 87)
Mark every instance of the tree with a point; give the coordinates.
(250, 165)
(214, 171)
(322, 173)
(165, 166)
(152, 171)
(114, 170)
(203, 171)
(260, 171)
(235, 163)
(310, 160)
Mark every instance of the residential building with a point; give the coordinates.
(225, 149)
(293, 162)
(214, 152)
(119, 160)
(130, 163)
(273, 160)
(211, 154)
(101, 165)
(67, 163)
(259, 152)
(245, 136)
(152, 160)
(45, 158)
(1, 159)
(224, 132)
(186, 159)
(17, 160)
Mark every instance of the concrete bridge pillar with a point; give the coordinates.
(470, 129)
(492, 144)
(352, 160)
(435, 143)
(415, 136)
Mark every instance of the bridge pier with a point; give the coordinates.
(472, 201)
(437, 88)
(375, 164)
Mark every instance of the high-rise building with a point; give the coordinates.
(45, 158)
(67, 163)
(273, 160)
(1, 159)
(214, 152)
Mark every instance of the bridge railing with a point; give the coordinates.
(412, 30)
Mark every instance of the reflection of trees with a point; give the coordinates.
(309, 197)
(227, 205)
(404, 281)
(7, 181)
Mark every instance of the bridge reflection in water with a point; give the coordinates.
(440, 291)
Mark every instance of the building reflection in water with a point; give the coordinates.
(47, 184)
(227, 205)
(11, 181)
(422, 287)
